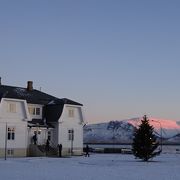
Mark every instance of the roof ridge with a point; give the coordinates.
(33, 96)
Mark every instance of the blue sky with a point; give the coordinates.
(121, 59)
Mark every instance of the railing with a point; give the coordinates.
(50, 150)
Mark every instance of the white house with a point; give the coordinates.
(26, 111)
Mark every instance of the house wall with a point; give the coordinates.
(19, 118)
(67, 123)
(18, 121)
(19, 144)
(20, 113)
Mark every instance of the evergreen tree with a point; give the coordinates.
(144, 142)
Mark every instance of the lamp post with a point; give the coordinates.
(5, 149)
(160, 131)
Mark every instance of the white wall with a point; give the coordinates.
(20, 114)
(20, 140)
(75, 123)
(17, 119)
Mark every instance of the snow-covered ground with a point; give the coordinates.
(96, 167)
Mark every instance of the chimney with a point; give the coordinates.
(29, 85)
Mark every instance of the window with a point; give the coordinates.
(37, 111)
(34, 111)
(31, 110)
(11, 133)
(71, 134)
(10, 152)
(12, 107)
(71, 112)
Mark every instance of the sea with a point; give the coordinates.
(166, 148)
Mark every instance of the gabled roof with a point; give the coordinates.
(32, 96)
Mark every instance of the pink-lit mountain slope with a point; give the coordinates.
(168, 128)
(122, 131)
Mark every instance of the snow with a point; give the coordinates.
(22, 92)
(96, 167)
(51, 102)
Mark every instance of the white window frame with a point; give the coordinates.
(10, 152)
(38, 111)
(12, 107)
(34, 110)
(70, 134)
(71, 112)
(11, 133)
(31, 110)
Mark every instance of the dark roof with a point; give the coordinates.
(32, 96)
(63, 101)
(53, 112)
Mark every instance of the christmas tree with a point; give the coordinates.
(145, 142)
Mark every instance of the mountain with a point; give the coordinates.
(122, 131)
(112, 132)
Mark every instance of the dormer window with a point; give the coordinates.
(31, 110)
(34, 110)
(71, 112)
(38, 111)
(12, 107)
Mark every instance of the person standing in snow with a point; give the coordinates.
(47, 145)
(35, 138)
(87, 151)
(60, 150)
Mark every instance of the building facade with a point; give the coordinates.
(27, 112)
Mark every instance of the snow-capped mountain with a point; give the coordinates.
(122, 131)
(112, 132)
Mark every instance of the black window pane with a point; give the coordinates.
(9, 136)
(13, 136)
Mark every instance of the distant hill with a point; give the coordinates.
(122, 131)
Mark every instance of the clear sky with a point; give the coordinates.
(120, 58)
